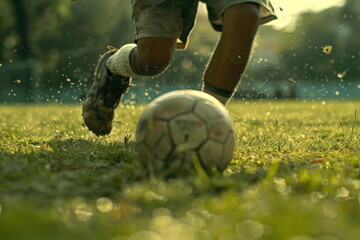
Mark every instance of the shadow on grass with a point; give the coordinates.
(80, 151)
(63, 168)
(67, 168)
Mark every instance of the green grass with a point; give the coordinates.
(58, 181)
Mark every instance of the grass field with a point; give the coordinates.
(295, 175)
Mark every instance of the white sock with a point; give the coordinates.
(119, 63)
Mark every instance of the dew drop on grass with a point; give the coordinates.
(81, 209)
(164, 224)
(280, 185)
(161, 212)
(342, 192)
(83, 213)
(317, 196)
(195, 220)
(249, 229)
(104, 205)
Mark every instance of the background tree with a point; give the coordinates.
(59, 41)
(323, 45)
(50, 47)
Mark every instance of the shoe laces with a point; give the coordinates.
(112, 48)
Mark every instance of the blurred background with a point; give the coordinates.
(48, 50)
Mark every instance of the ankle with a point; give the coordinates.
(221, 94)
(120, 62)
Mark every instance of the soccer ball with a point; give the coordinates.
(182, 128)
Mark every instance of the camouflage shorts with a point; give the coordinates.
(175, 18)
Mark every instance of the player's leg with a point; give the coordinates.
(227, 65)
(153, 55)
(149, 57)
(158, 25)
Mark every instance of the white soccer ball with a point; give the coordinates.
(182, 128)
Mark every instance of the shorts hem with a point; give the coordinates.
(263, 18)
(267, 19)
(180, 45)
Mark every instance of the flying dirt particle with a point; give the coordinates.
(342, 75)
(292, 80)
(327, 49)
(236, 59)
(318, 159)
(264, 83)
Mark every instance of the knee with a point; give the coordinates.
(244, 15)
(154, 64)
(154, 55)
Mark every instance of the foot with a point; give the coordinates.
(104, 96)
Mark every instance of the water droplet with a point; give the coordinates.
(81, 209)
(83, 213)
(249, 229)
(280, 185)
(104, 205)
(161, 212)
(342, 192)
(194, 219)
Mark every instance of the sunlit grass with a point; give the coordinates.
(295, 175)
